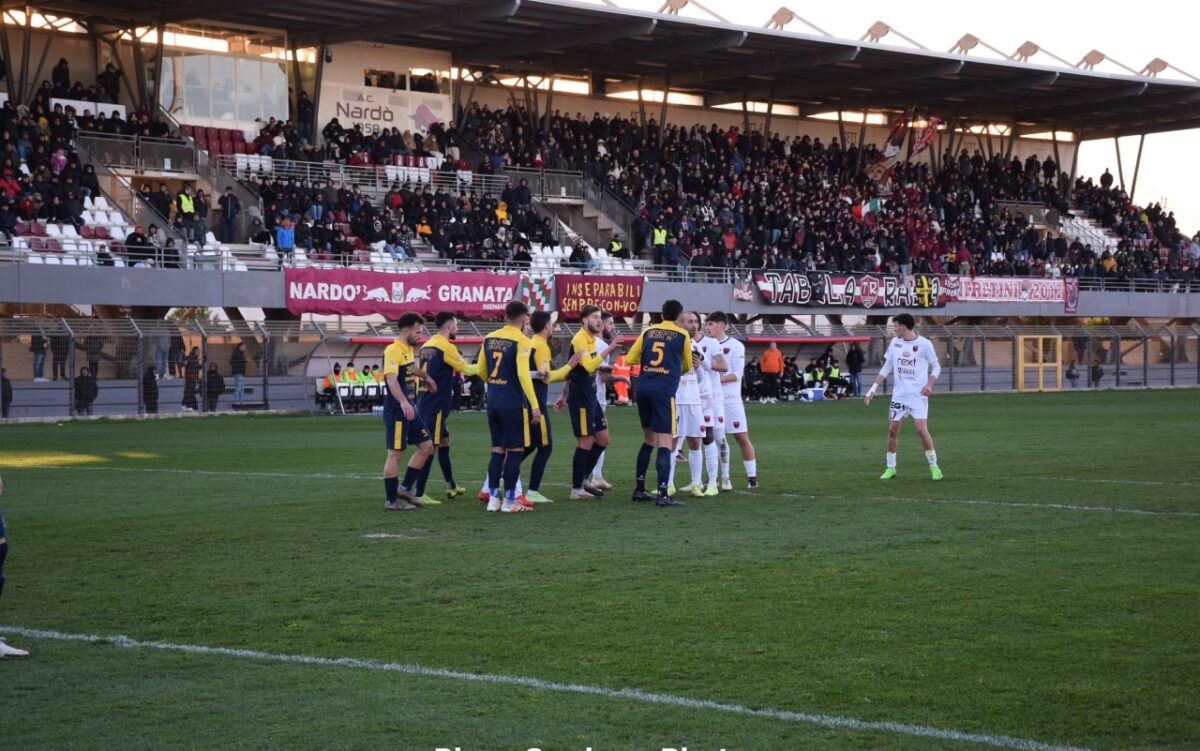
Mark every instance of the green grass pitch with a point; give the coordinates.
(1046, 592)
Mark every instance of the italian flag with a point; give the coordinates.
(866, 207)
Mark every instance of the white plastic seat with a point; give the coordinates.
(36, 259)
(88, 204)
(101, 203)
(68, 230)
(53, 230)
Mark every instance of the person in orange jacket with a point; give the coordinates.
(621, 370)
(772, 370)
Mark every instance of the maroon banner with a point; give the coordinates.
(619, 295)
(350, 292)
(892, 153)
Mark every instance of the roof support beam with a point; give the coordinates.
(1061, 103)
(558, 40)
(826, 85)
(186, 11)
(731, 40)
(411, 24)
(932, 95)
(757, 67)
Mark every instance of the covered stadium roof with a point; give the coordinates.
(721, 62)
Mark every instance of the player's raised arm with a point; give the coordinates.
(525, 376)
(456, 361)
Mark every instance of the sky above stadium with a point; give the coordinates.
(1170, 161)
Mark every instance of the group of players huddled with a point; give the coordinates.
(689, 399)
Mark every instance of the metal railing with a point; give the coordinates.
(377, 179)
(548, 184)
(138, 153)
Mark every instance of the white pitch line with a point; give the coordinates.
(632, 694)
(953, 501)
(1095, 480)
(388, 536)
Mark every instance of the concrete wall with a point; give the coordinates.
(25, 283)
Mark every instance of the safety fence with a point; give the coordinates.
(170, 367)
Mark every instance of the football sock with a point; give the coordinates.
(643, 464)
(931, 456)
(422, 479)
(663, 464)
(724, 458)
(444, 462)
(710, 461)
(512, 471)
(410, 478)
(751, 466)
(579, 465)
(891, 460)
(598, 470)
(390, 486)
(495, 464)
(593, 460)
(540, 458)
(695, 465)
(671, 473)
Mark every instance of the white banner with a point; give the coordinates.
(375, 108)
(1004, 289)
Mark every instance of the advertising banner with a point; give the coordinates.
(361, 293)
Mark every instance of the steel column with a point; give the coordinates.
(317, 78)
(1120, 167)
(1137, 166)
(662, 119)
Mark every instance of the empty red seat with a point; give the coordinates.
(38, 229)
(116, 246)
(187, 130)
(86, 232)
(53, 245)
(22, 227)
(37, 243)
(102, 234)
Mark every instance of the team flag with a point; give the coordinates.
(536, 291)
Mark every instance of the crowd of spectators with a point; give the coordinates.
(720, 197)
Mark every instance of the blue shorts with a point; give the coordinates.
(400, 433)
(657, 412)
(3, 529)
(509, 428)
(540, 434)
(435, 420)
(587, 419)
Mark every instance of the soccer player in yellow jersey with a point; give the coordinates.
(511, 404)
(665, 353)
(402, 424)
(583, 405)
(441, 361)
(542, 329)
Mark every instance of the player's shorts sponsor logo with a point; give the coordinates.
(898, 405)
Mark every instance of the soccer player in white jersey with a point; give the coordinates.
(606, 347)
(914, 362)
(689, 423)
(734, 419)
(711, 400)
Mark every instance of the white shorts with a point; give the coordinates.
(689, 420)
(917, 409)
(735, 417)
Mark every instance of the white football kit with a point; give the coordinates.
(734, 353)
(688, 404)
(714, 413)
(911, 362)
